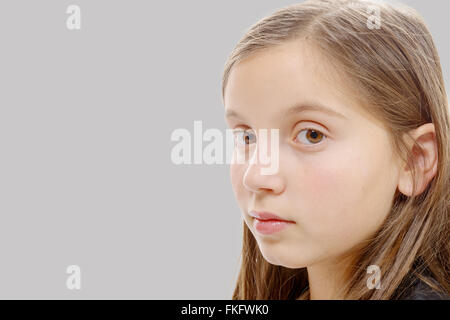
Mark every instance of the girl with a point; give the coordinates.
(358, 208)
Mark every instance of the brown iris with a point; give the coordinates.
(247, 139)
(314, 136)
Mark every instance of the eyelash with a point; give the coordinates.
(304, 129)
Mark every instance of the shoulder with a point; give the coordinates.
(420, 290)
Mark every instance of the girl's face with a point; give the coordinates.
(337, 173)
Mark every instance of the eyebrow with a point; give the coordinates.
(313, 107)
(230, 113)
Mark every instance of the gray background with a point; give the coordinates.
(85, 124)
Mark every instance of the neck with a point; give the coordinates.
(327, 278)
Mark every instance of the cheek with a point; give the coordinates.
(321, 187)
(340, 195)
(236, 174)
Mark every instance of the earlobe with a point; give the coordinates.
(424, 157)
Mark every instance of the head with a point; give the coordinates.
(363, 171)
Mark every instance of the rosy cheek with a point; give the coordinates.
(236, 175)
(326, 190)
(320, 185)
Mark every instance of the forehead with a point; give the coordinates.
(279, 77)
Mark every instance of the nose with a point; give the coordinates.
(256, 181)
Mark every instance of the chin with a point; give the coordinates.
(277, 259)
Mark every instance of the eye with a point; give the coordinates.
(310, 135)
(244, 137)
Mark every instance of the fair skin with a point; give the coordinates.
(337, 186)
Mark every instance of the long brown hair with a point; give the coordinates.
(396, 68)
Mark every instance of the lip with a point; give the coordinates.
(269, 223)
(264, 215)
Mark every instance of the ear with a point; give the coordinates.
(424, 159)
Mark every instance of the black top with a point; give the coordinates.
(422, 291)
